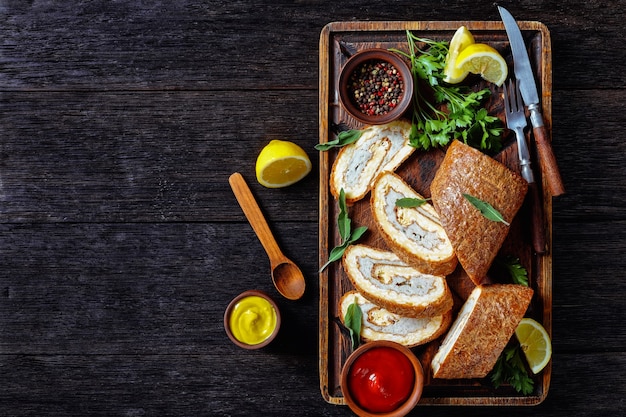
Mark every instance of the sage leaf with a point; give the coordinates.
(353, 323)
(356, 235)
(343, 221)
(348, 237)
(343, 138)
(335, 254)
(408, 202)
(486, 209)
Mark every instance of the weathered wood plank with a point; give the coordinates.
(137, 156)
(97, 288)
(121, 242)
(233, 384)
(147, 157)
(142, 288)
(176, 45)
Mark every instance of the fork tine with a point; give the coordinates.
(506, 100)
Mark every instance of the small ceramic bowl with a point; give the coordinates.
(414, 391)
(254, 315)
(352, 75)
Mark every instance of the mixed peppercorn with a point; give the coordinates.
(376, 87)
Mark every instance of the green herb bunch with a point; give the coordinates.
(510, 366)
(457, 111)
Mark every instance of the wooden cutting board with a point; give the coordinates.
(337, 42)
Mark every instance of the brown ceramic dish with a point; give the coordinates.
(232, 305)
(371, 56)
(415, 393)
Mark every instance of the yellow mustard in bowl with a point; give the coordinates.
(252, 319)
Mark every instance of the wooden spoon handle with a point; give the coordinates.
(255, 217)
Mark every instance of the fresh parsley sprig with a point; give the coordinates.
(457, 111)
(348, 236)
(510, 368)
(514, 267)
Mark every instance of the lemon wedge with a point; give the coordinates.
(480, 58)
(281, 163)
(462, 39)
(535, 344)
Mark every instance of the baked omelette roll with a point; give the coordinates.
(385, 280)
(415, 234)
(380, 148)
(482, 329)
(380, 324)
(476, 240)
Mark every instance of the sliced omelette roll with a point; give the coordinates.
(415, 234)
(380, 148)
(380, 324)
(482, 329)
(384, 279)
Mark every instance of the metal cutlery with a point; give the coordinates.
(528, 88)
(516, 121)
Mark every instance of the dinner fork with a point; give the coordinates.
(516, 121)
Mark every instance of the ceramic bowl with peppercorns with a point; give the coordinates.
(375, 86)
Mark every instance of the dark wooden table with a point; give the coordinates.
(121, 242)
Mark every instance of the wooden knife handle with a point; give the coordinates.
(538, 231)
(547, 161)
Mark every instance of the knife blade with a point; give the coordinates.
(528, 87)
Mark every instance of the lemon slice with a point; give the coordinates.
(462, 39)
(480, 58)
(535, 344)
(281, 163)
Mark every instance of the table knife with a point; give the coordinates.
(528, 87)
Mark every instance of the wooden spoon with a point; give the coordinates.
(287, 277)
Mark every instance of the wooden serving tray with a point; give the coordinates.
(337, 42)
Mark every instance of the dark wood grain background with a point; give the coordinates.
(121, 243)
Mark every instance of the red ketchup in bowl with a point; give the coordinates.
(381, 379)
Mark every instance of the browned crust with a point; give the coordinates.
(433, 308)
(445, 322)
(498, 311)
(350, 201)
(460, 283)
(476, 239)
(443, 267)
